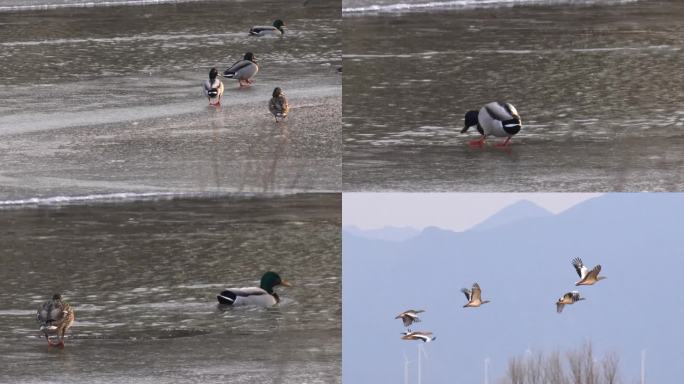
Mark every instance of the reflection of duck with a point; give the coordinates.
(55, 317)
(494, 119)
(568, 298)
(275, 30)
(410, 316)
(263, 296)
(587, 277)
(243, 70)
(474, 296)
(425, 337)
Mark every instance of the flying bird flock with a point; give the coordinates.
(474, 297)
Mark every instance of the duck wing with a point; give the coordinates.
(258, 29)
(500, 111)
(52, 311)
(236, 67)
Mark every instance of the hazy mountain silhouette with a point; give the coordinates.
(385, 233)
(516, 212)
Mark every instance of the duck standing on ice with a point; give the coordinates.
(243, 70)
(494, 119)
(55, 317)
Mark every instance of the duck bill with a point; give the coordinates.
(285, 283)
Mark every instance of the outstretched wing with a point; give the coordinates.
(466, 292)
(408, 320)
(477, 292)
(559, 307)
(594, 272)
(579, 267)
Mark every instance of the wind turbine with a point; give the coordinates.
(643, 366)
(486, 370)
(421, 351)
(406, 366)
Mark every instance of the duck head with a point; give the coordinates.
(279, 24)
(270, 280)
(56, 297)
(470, 120)
(249, 56)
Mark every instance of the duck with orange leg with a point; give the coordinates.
(243, 70)
(56, 317)
(496, 119)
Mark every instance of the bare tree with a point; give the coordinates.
(610, 368)
(555, 374)
(581, 364)
(576, 364)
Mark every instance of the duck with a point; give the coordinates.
(474, 296)
(268, 30)
(587, 277)
(55, 317)
(497, 119)
(243, 70)
(263, 296)
(278, 105)
(409, 316)
(425, 337)
(568, 298)
(213, 88)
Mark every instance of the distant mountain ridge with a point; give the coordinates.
(518, 211)
(385, 233)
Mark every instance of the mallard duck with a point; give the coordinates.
(425, 337)
(494, 119)
(409, 317)
(275, 30)
(264, 295)
(213, 88)
(568, 298)
(243, 70)
(587, 277)
(278, 104)
(474, 296)
(55, 317)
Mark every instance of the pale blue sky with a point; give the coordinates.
(455, 211)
